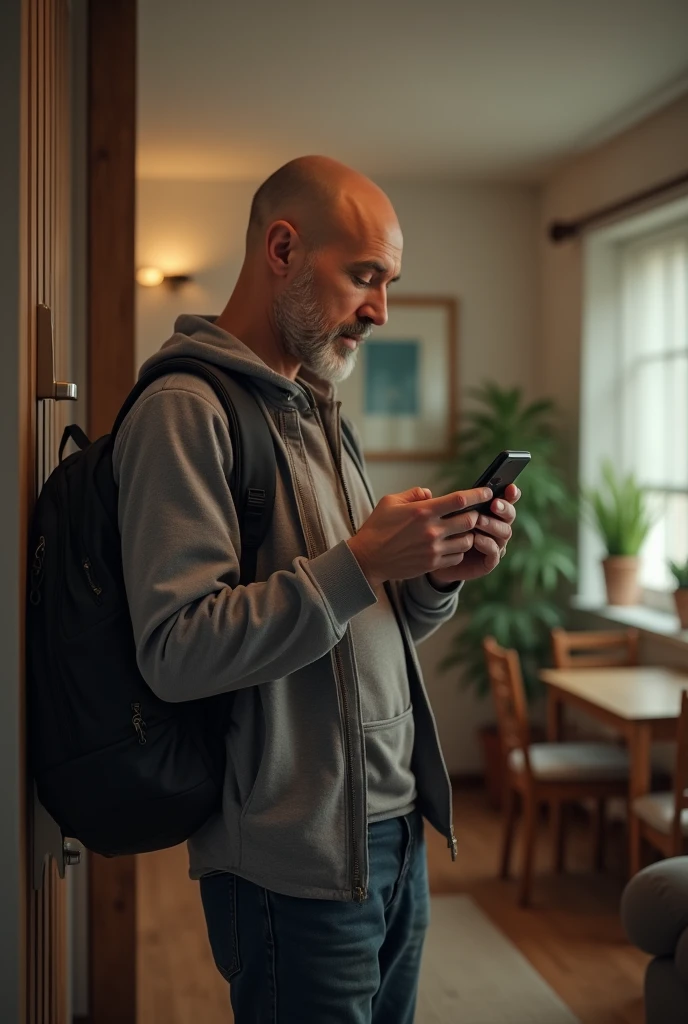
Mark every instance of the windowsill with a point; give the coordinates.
(649, 620)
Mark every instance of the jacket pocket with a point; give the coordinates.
(389, 749)
(218, 895)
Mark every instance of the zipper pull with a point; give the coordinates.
(360, 894)
(452, 844)
(37, 573)
(138, 722)
(88, 569)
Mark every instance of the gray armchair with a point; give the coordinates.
(654, 912)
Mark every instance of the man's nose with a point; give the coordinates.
(375, 308)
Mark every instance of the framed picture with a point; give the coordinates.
(402, 395)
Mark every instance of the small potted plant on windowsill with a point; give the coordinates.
(618, 511)
(681, 593)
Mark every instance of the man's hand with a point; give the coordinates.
(492, 535)
(406, 535)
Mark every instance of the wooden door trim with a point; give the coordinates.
(111, 364)
(111, 208)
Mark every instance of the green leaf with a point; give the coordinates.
(618, 510)
(520, 601)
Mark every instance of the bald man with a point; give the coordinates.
(313, 875)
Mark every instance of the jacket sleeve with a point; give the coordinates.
(197, 631)
(426, 607)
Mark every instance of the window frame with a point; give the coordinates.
(604, 366)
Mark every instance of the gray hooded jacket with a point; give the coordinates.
(330, 725)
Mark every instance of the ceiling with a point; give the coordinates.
(415, 89)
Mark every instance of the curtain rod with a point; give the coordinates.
(562, 230)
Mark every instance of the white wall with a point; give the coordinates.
(477, 243)
(653, 151)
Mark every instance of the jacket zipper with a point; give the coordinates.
(450, 837)
(358, 891)
(347, 496)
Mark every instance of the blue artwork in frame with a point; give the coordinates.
(391, 378)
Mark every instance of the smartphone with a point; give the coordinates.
(498, 475)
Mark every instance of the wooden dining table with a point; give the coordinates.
(641, 702)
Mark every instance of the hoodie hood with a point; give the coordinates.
(198, 336)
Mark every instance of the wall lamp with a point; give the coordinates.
(150, 277)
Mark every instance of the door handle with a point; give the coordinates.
(48, 842)
(46, 385)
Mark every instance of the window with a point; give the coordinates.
(654, 338)
(635, 382)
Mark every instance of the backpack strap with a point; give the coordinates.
(254, 453)
(73, 433)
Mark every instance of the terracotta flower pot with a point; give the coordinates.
(621, 577)
(681, 599)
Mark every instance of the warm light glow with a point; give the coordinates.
(149, 276)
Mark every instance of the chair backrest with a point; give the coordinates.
(595, 648)
(506, 683)
(681, 776)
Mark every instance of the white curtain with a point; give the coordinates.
(654, 383)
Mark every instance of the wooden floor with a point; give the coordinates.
(572, 934)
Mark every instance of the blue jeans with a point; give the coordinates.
(302, 961)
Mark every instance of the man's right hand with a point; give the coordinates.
(405, 535)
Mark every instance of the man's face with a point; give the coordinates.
(333, 302)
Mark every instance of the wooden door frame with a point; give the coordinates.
(111, 367)
(14, 454)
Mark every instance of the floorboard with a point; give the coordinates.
(571, 935)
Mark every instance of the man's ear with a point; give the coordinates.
(283, 247)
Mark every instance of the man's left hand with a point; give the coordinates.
(490, 539)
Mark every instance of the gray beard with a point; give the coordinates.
(306, 333)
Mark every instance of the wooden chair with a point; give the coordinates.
(594, 648)
(600, 648)
(663, 817)
(551, 773)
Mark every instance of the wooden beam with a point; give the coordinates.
(111, 370)
(111, 208)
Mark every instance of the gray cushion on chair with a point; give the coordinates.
(654, 906)
(657, 809)
(573, 762)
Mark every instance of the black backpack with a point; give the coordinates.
(117, 768)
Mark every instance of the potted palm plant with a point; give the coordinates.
(522, 601)
(680, 572)
(618, 509)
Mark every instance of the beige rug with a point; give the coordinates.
(472, 974)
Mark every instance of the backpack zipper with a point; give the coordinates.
(93, 584)
(37, 573)
(138, 722)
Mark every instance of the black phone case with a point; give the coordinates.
(502, 472)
